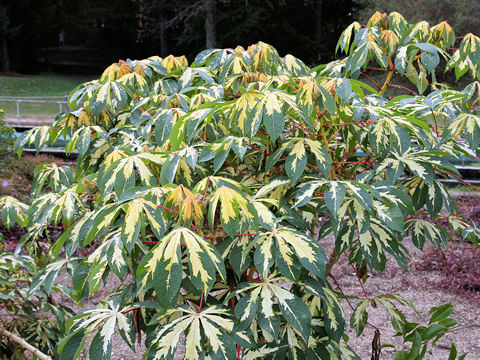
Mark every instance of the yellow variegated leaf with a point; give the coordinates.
(234, 205)
(162, 266)
(189, 205)
(207, 326)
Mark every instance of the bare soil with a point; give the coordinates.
(421, 286)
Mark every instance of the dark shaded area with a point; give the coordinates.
(78, 36)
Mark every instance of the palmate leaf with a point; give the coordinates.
(234, 206)
(111, 95)
(120, 175)
(112, 250)
(67, 206)
(273, 117)
(46, 278)
(470, 47)
(293, 309)
(296, 160)
(39, 136)
(207, 333)
(61, 177)
(419, 163)
(311, 94)
(138, 212)
(12, 211)
(390, 134)
(189, 206)
(422, 229)
(82, 138)
(106, 322)
(324, 303)
(161, 267)
(290, 247)
(466, 124)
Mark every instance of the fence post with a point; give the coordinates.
(18, 112)
(66, 103)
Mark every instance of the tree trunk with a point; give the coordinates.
(5, 57)
(318, 27)
(163, 39)
(209, 7)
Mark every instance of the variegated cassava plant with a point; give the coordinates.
(201, 187)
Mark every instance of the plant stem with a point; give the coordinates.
(389, 76)
(20, 341)
(331, 261)
(459, 130)
(435, 121)
(325, 143)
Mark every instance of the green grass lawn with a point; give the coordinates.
(38, 85)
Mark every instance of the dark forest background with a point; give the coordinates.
(75, 36)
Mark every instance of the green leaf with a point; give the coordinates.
(294, 310)
(71, 346)
(296, 161)
(163, 126)
(161, 268)
(9, 215)
(440, 313)
(334, 197)
(422, 229)
(273, 117)
(333, 315)
(359, 317)
(432, 331)
(246, 309)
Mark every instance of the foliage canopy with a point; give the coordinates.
(201, 186)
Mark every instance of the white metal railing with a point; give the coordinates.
(63, 103)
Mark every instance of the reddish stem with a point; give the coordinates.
(243, 172)
(465, 182)
(206, 190)
(226, 235)
(253, 147)
(165, 208)
(373, 81)
(232, 95)
(403, 87)
(286, 83)
(359, 280)
(435, 120)
(354, 162)
(351, 123)
(201, 303)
